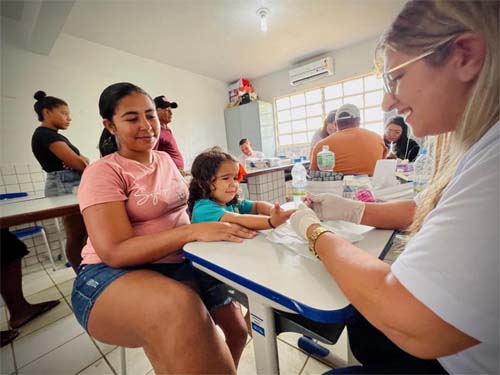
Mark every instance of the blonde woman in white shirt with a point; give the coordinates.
(440, 299)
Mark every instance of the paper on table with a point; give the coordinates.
(384, 176)
(286, 236)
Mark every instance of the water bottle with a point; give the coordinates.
(423, 169)
(299, 183)
(326, 159)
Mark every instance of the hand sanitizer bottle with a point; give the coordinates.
(326, 159)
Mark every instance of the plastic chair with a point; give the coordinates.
(62, 243)
(30, 231)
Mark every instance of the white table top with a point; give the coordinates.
(297, 282)
(11, 210)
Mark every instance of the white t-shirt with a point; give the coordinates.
(452, 264)
(255, 155)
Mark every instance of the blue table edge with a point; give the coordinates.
(322, 316)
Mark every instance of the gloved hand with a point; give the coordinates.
(332, 207)
(302, 219)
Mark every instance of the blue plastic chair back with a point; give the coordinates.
(13, 195)
(21, 233)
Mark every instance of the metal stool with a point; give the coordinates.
(123, 360)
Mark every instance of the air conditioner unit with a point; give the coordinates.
(311, 71)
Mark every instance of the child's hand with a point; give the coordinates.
(279, 216)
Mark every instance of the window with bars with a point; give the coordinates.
(300, 115)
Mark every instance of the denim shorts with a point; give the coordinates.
(214, 290)
(61, 182)
(92, 279)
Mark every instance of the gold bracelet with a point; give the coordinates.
(316, 233)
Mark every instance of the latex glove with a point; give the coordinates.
(332, 207)
(302, 219)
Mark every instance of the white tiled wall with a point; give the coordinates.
(16, 178)
(269, 187)
(30, 178)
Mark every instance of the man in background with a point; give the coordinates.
(356, 149)
(248, 152)
(166, 141)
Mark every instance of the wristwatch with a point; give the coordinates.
(316, 233)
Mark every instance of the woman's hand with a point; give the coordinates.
(278, 215)
(303, 219)
(332, 207)
(66, 167)
(221, 231)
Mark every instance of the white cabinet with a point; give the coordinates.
(254, 121)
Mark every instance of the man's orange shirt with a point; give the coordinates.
(356, 150)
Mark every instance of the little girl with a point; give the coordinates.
(213, 195)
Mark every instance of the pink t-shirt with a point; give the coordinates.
(155, 196)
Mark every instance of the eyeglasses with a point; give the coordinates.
(391, 84)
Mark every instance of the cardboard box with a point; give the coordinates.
(233, 88)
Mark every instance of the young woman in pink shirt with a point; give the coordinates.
(134, 288)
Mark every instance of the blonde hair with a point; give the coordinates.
(423, 26)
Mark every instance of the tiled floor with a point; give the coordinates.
(55, 343)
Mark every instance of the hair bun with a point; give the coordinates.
(39, 95)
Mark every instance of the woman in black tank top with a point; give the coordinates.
(63, 163)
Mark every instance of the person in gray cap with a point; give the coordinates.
(356, 149)
(166, 141)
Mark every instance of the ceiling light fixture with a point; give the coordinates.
(263, 13)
